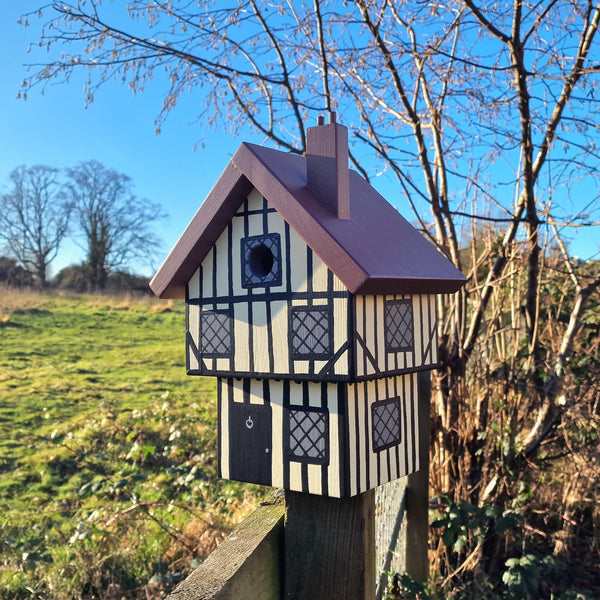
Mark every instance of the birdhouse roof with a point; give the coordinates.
(373, 251)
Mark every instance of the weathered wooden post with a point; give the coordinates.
(329, 547)
(417, 497)
(312, 300)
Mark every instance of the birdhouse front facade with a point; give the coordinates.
(313, 302)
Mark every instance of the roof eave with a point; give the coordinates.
(386, 285)
(202, 232)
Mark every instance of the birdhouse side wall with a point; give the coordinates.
(263, 304)
(283, 433)
(394, 334)
(382, 431)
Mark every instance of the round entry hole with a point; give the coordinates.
(260, 260)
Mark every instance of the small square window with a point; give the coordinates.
(399, 326)
(215, 333)
(386, 424)
(261, 261)
(309, 431)
(310, 332)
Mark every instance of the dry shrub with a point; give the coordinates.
(164, 307)
(488, 411)
(198, 539)
(201, 535)
(4, 317)
(128, 301)
(13, 299)
(125, 303)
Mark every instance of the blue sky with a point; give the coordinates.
(117, 129)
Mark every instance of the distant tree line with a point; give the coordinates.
(91, 203)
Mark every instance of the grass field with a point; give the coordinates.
(108, 482)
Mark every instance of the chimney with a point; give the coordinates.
(327, 165)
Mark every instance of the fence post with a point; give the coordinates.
(329, 547)
(417, 492)
(246, 565)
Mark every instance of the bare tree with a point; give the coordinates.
(34, 219)
(484, 112)
(115, 225)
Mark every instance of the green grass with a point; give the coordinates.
(107, 450)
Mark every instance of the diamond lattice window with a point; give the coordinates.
(399, 325)
(261, 260)
(386, 424)
(215, 333)
(310, 332)
(309, 430)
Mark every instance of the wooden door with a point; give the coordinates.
(250, 445)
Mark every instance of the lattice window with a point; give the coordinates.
(309, 432)
(385, 418)
(310, 332)
(261, 261)
(215, 333)
(399, 326)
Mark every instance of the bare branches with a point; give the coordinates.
(587, 36)
(446, 241)
(530, 168)
(285, 82)
(115, 224)
(487, 23)
(34, 218)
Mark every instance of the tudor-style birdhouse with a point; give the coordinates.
(312, 300)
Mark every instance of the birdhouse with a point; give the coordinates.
(313, 303)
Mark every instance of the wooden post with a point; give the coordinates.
(417, 492)
(329, 547)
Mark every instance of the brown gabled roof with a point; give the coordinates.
(375, 251)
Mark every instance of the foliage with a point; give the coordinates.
(12, 274)
(108, 481)
(122, 281)
(75, 278)
(522, 575)
(465, 525)
(465, 531)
